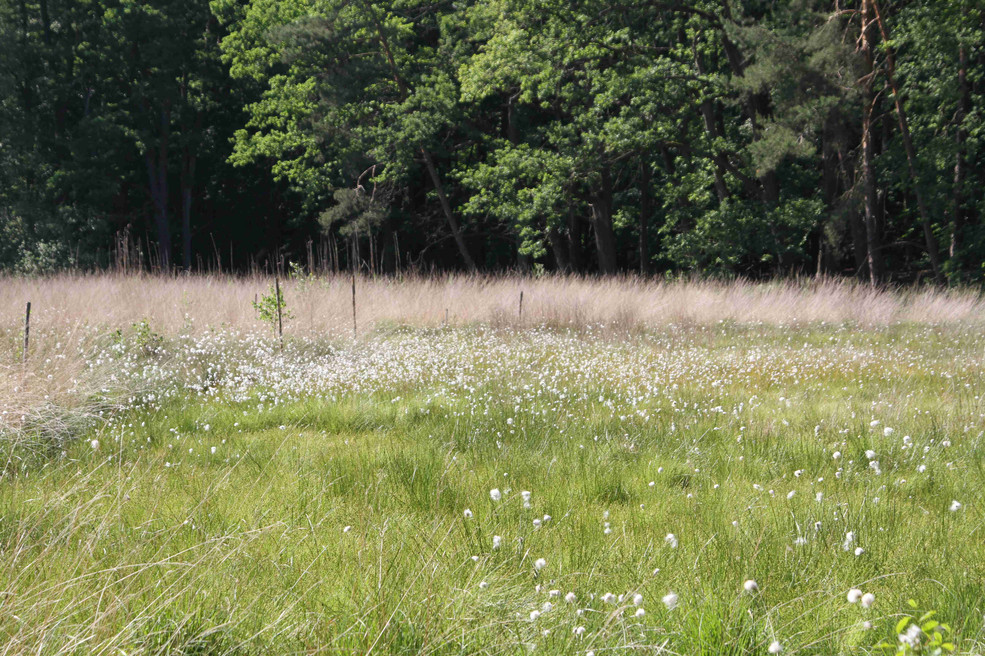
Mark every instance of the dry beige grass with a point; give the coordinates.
(323, 306)
(70, 311)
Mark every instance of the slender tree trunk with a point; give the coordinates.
(45, 21)
(456, 233)
(389, 255)
(575, 257)
(559, 248)
(644, 216)
(605, 238)
(157, 173)
(855, 224)
(873, 255)
(911, 155)
(187, 184)
(523, 261)
(25, 86)
(711, 128)
(757, 105)
(960, 139)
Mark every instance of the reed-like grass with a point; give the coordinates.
(323, 305)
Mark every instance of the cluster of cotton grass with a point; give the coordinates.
(551, 608)
(71, 313)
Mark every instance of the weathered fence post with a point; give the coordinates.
(27, 329)
(519, 313)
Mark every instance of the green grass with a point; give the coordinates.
(338, 526)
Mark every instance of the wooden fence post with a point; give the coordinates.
(27, 329)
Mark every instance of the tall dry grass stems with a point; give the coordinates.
(71, 312)
(323, 305)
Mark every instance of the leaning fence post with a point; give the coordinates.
(519, 313)
(27, 329)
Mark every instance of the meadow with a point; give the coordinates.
(627, 467)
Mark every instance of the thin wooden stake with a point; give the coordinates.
(27, 329)
(520, 312)
(280, 321)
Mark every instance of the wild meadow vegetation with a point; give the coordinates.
(493, 484)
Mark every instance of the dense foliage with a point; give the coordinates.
(726, 137)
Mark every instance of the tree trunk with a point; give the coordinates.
(758, 104)
(449, 215)
(575, 257)
(45, 22)
(157, 173)
(911, 155)
(711, 127)
(873, 256)
(524, 262)
(960, 139)
(187, 184)
(605, 238)
(559, 248)
(855, 224)
(644, 217)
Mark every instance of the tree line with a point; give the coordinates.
(718, 137)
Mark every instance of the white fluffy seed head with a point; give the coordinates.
(750, 586)
(854, 595)
(670, 600)
(540, 563)
(868, 599)
(495, 494)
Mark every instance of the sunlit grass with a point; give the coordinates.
(244, 501)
